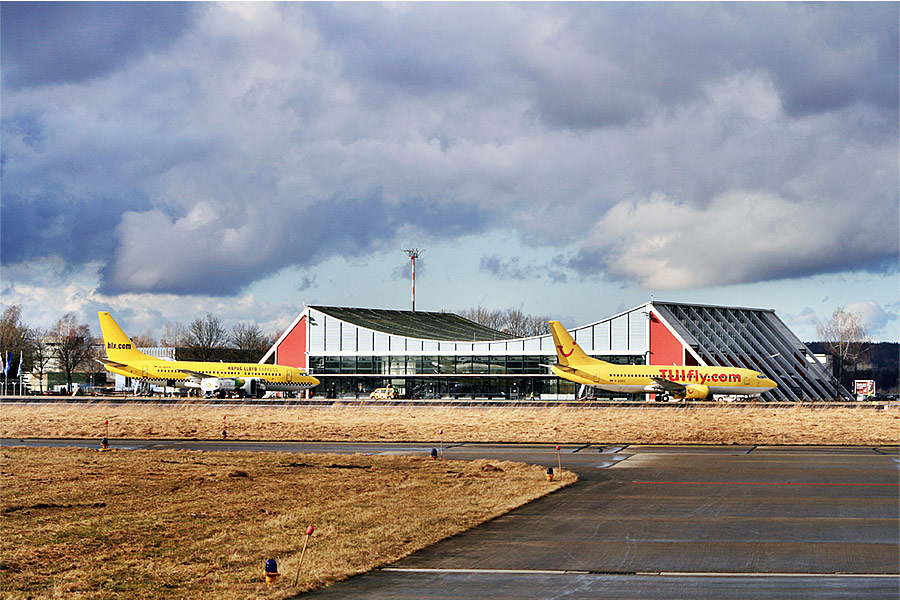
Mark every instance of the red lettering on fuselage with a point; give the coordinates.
(691, 375)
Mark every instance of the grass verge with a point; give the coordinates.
(801, 425)
(83, 524)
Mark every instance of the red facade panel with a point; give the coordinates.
(665, 349)
(291, 352)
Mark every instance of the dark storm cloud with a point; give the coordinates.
(416, 49)
(220, 256)
(822, 57)
(67, 42)
(74, 228)
(509, 268)
(228, 141)
(585, 66)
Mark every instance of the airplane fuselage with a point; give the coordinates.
(671, 381)
(635, 379)
(219, 378)
(175, 373)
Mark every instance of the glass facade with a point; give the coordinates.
(512, 377)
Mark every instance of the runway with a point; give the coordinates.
(656, 522)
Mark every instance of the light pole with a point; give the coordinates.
(413, 254)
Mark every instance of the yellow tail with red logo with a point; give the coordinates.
(568, 352)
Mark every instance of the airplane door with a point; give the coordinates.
(144, 372)
(289, 375)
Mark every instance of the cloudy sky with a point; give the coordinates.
(165, 160)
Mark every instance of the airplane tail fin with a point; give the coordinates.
(119, 347)
(567, 350)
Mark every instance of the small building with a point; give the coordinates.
(420, 354)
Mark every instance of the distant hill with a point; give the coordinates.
(880, 362)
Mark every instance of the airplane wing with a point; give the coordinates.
(196, 374)
(111, 363)
(672, 387)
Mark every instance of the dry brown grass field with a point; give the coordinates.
(86, 524)
(800, 425)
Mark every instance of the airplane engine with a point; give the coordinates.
(254, 387)
(696, 391)
(217, 385)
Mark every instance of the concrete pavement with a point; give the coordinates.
(653, 522)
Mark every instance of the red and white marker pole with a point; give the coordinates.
(558, 460)
(224, 428)
(441, 433)
(309, 532)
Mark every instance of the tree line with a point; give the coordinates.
(509, 320)
(70, 347)
(205, 338)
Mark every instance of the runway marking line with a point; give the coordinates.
(813, 483)
(629, 573)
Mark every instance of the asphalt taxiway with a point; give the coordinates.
(654, 522)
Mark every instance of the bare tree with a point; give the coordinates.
(484, 316)
(14, 335)
(512, 320)
(205, 335)
(73, 346)
(845, 338)
(174, 335)
(250, 341)
(41, 355)
(145, 340)
(519, 324)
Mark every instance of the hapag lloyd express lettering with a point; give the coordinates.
(697, 376)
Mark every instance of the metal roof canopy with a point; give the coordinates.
(441, 326)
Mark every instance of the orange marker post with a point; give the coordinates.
(309, 532)
(224, 428)
(558, 460)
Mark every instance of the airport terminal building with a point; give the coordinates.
(438, 355)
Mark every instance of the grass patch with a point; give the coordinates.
(178, 524)
(724, 424)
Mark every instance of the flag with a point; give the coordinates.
(8, 363)
(20, 363)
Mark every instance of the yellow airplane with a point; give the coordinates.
(212, 378)
(667, 381)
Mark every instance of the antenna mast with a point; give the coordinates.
(413, 254)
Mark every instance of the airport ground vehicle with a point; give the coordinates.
(385, 393)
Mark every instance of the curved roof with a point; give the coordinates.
(447, 327)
